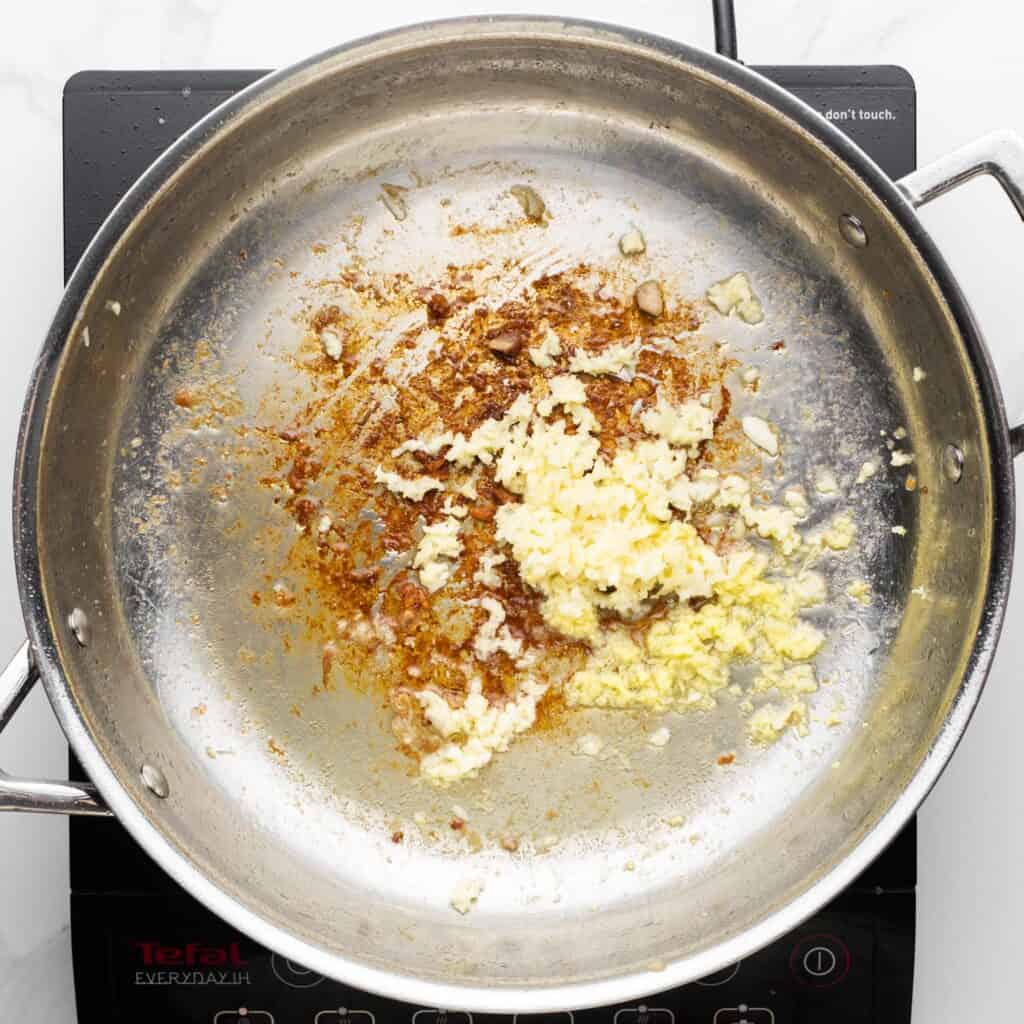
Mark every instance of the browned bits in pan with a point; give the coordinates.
(483, 511)
(303, 509)
(438, 308)
(410, 730)
(324, 318)
(431, 463)
(725, 408)
(303, 471)
(497, 494)
(364, 574)
(725, 759)
(506, 343)
(412, 596)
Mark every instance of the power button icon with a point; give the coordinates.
(820, 961)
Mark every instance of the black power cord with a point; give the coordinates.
(725, 28)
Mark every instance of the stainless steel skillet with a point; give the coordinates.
(132, 629)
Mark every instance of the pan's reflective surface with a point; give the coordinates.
(612, 131)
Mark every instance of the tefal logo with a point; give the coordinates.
(192, 954)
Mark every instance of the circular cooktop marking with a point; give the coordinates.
(293, 975)
(722, 977)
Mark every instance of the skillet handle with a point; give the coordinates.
(999, 154)
(37, 794)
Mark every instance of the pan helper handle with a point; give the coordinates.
(999, 154)
(37, 794)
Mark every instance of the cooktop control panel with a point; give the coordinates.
(145, 951)
(164, 961)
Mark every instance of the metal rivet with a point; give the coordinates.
(853, 230)
(78, 623)
(953, 463)
(155, 781)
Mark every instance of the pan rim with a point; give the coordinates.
(133, 814)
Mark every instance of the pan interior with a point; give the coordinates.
(162, 534)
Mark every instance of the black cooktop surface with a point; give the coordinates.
(145, 951)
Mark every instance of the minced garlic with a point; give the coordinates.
(770, 720)
(660, 737)
(681, 425)
(761, 434)
(486, 573)
(795, 499)
(440, 543)
(413, 488)
(825, 481)
(589, 745)
(544, 354)
(838, 535)
(684, 658)
(614, 359)
(734, 295)
(594, 534)
(769, 521)
(494, 636)
(476, 731)
(632, 243)
(465, 894)
(332, 344)
(867, 471)
(591, 534)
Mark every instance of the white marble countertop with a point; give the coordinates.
(967, 62)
